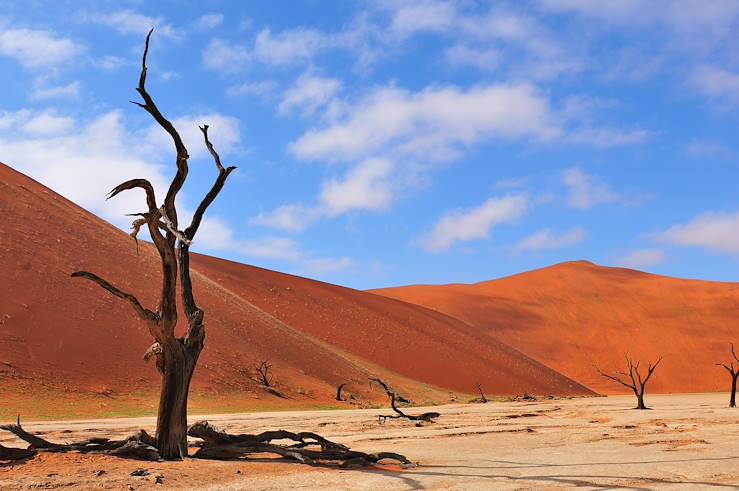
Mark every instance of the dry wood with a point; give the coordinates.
(175, 357)
(734, 373)
(637, 384)
(338, 392)
(429, 417)
(217, 444)
(483, 400)
(140, 446)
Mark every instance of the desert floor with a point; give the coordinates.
(685, 442)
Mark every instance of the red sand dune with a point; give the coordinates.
(575, 315)
(57, 332)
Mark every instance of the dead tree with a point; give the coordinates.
(262, 375)
(338, 392)
(637, 384)
(175, 357)
(483, 400)
(420, 419)
(734, 372)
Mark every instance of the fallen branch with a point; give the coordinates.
(307, 448)
(420, 419)
(217, 444)
(16, 453)
(140, 446)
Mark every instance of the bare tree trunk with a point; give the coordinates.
(732, 400)
(178, 367)
(338, 392)
(640, 401)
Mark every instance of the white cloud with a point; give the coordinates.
(37, 48)
(290, 46)
(290, 218)
(606, 137)
(716, 83)
(367, 187)
(712, 231)
(545, 239)
(216, 235)
(209, 21)
(69, 91)
(47, 123)
(308, 94)
(432, 123)
(484, 59)
(429, 16)
(130, 22)
(642, 259)
(586, 191)
(251, 88)
(475, 223)
(110, 62)
(221, 55)
(708, 149)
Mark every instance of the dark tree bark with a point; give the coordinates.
(176, 358)
(637, 384)
(734, 373)
(429, 417)
(482, 396)
(262, 375)
(338, 392)
(215, 444)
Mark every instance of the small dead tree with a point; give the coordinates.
(483, 400)
(734, 373)
(638, 384)
(420, 419)
(338, 392)
(262, 375)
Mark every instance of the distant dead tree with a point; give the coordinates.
(425, 417)
(338, 392)
(637, 384)
(262, 375)
(734, 372)
(483, 400)
(176, 358)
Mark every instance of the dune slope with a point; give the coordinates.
(576, 315)
(60, 333)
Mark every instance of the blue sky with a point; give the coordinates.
(393, 142)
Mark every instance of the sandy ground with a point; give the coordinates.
(684, 442)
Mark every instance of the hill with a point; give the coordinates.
(576, 315)
(66, 343)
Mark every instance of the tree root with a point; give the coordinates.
(218, 444)
(308, 448)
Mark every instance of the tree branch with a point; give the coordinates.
(137, 183)
(182, 156)
(144, 313)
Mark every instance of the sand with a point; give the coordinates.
(576, 315)
(685, 442)
(61, 335)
